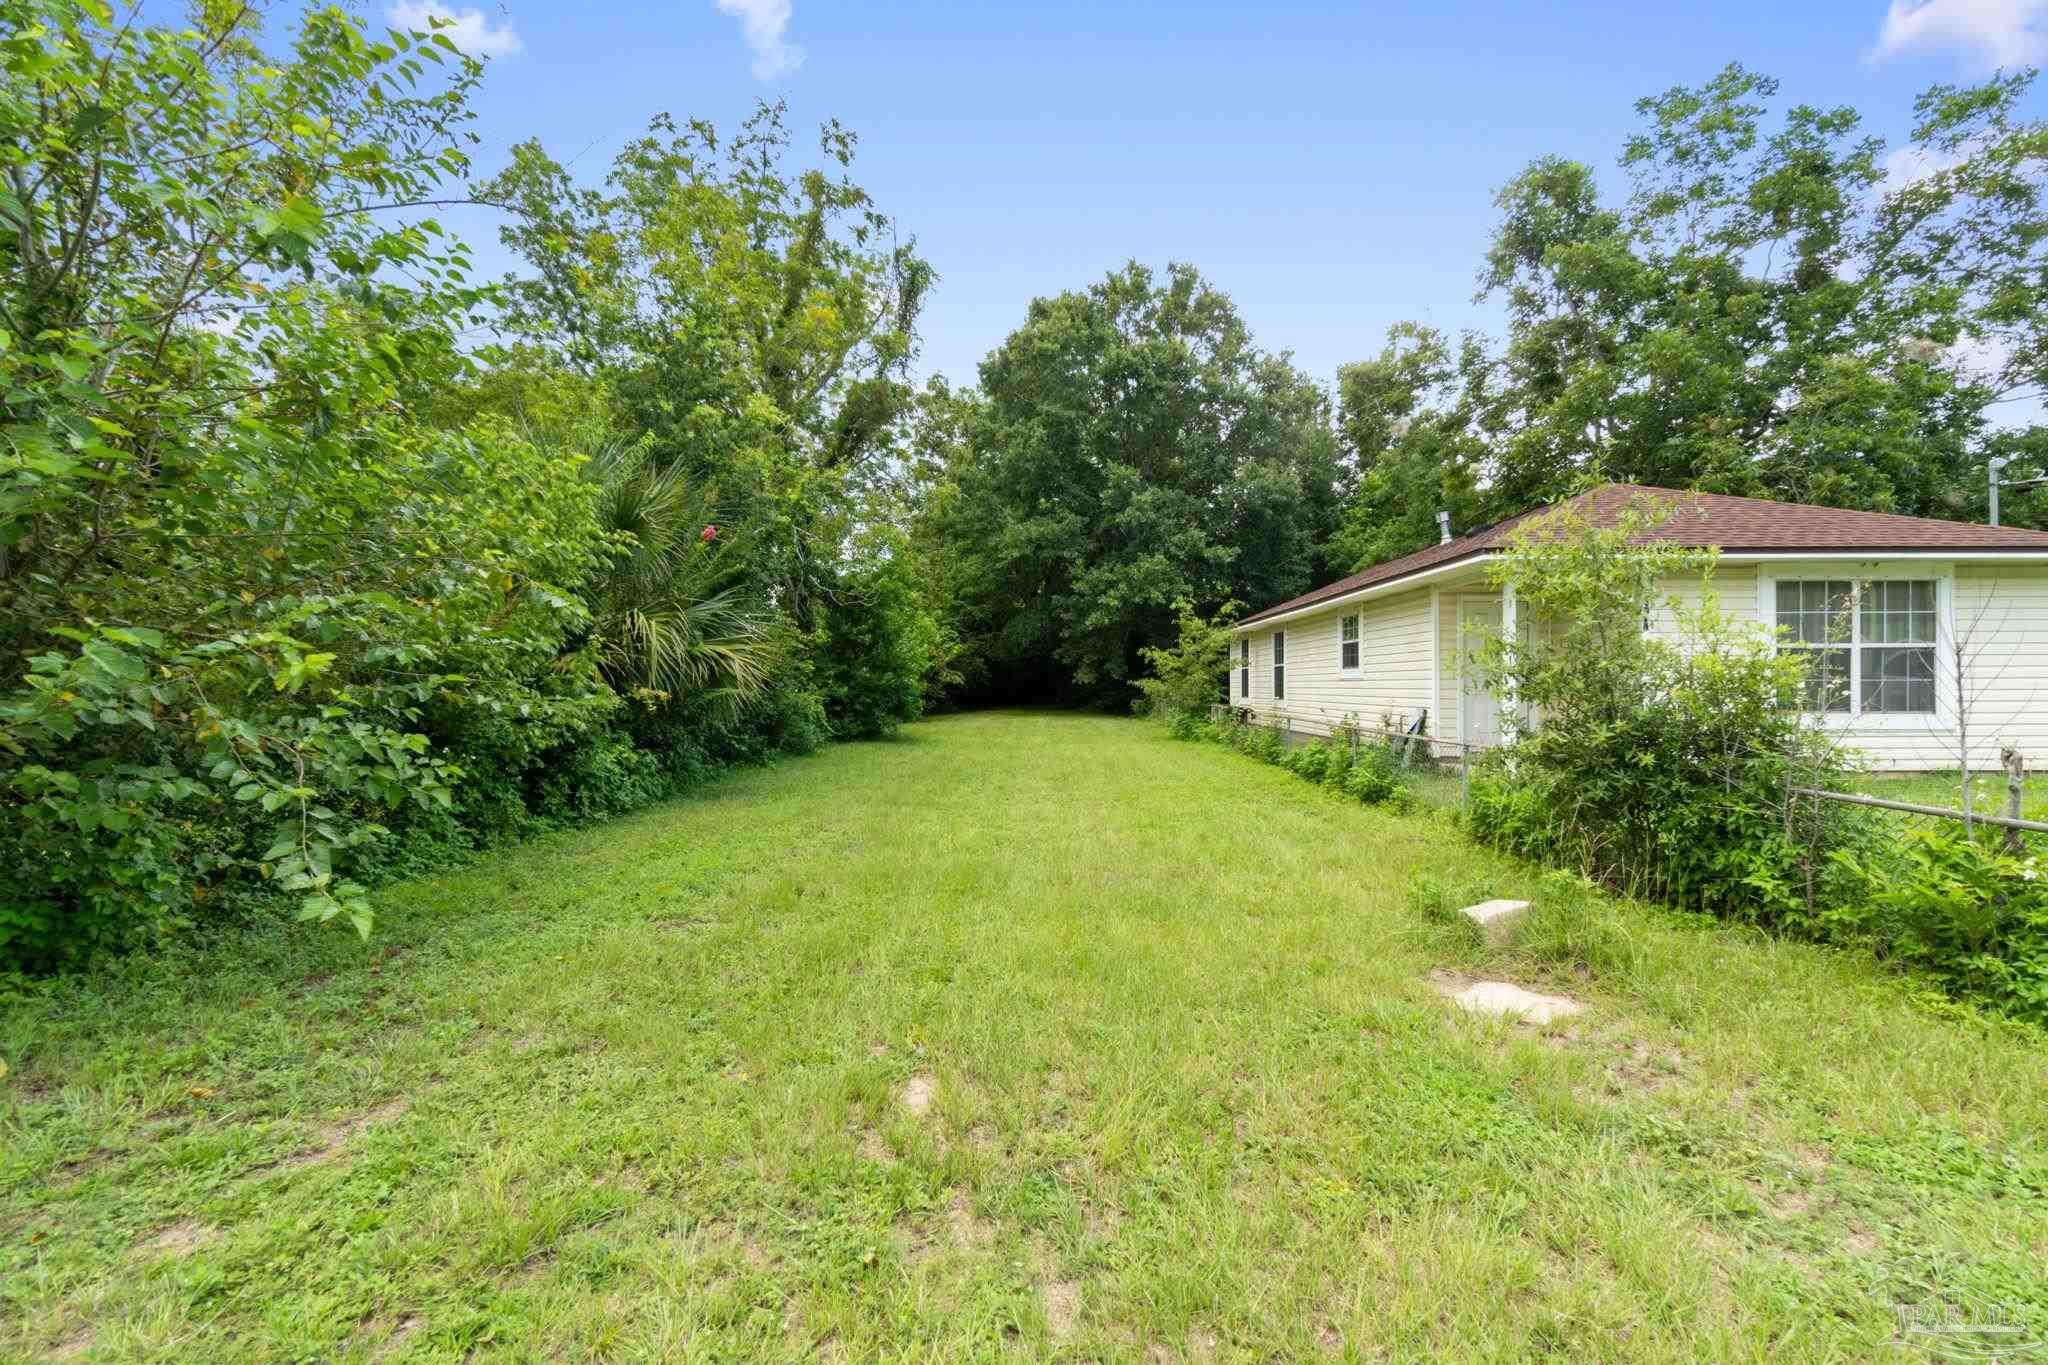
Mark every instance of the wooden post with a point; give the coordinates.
(2015, 789)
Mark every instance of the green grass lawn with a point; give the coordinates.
(1018, 1035)
(1987, 791)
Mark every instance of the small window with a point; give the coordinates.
(1279, 665)
(1872, 645)
(1347, 644)
(1244, 669)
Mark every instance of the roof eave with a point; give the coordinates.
(1380, 589)
(1977, 553)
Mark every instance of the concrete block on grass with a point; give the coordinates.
(1504, 997)
(1496, 919)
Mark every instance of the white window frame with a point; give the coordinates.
(1279, 665)
(1941, 572)
(1356, 620)
(1244, 668)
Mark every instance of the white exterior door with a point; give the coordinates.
(1479, 709)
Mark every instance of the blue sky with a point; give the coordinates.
(1330, 166)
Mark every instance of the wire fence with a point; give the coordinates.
(1440, 769)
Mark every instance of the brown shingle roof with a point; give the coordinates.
(1719, 520)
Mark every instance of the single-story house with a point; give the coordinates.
(1394, 642)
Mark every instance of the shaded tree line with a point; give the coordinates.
(323, 560)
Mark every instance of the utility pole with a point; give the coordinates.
(1998, 463)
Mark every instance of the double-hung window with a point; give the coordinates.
(1872, 644)
(1244, 668)
(1279, 665)
(1347, 644)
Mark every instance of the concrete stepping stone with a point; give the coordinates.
(1505, 997)
(1496, 919)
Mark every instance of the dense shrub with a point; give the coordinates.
(876, 649)
(1661, 762)
(296, 590)
(1375, 777)
(1955, 905)
(1367, 772)
(1311, 762)
(1188, 678)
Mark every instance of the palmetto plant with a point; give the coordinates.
(668, 616)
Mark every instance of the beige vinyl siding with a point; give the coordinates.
(2001, 618)
(1413, 656)
(1448, 686)
(1393, 677)
(1734, 586)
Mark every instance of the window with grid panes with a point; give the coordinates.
(1872, 648)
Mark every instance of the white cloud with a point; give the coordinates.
(1993, 33)
(765, 22)
(1909, 165)
(470, 29)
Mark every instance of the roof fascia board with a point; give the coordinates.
(1404, 582)
(1438, 571)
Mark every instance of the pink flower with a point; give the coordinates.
(710, 533)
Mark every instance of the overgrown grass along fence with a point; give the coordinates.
(1961, 899)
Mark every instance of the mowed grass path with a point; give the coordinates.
(1019, 1035)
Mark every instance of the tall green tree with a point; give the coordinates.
(1133, 448)
(1780, 306)
(751, 319)
(242, 588)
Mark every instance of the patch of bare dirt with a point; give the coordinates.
(960, 1228)
(1781, 1203)
(75, 1344)
(1812, 1160)
(969, 1229)
(1059, 1296)
(917, 1095)
(1642, 1068)
(873, 1147)
(1062, 1308)
(1329, 1338)
(330, 1138)
(181, 1238)
(395, 1339)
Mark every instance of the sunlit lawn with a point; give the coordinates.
(1019, 1035)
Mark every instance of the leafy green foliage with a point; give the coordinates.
(668, 619)
(1657, 759)
(1783, 308)
(1660, 762)
(1186, 678)
(876, 651)
(1342, 762)
(1132, 449)
(1958, 906)
(294, 592)
(743, 316)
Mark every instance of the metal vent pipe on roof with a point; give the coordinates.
(1443, 526)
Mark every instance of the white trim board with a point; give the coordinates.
(1442, 571)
